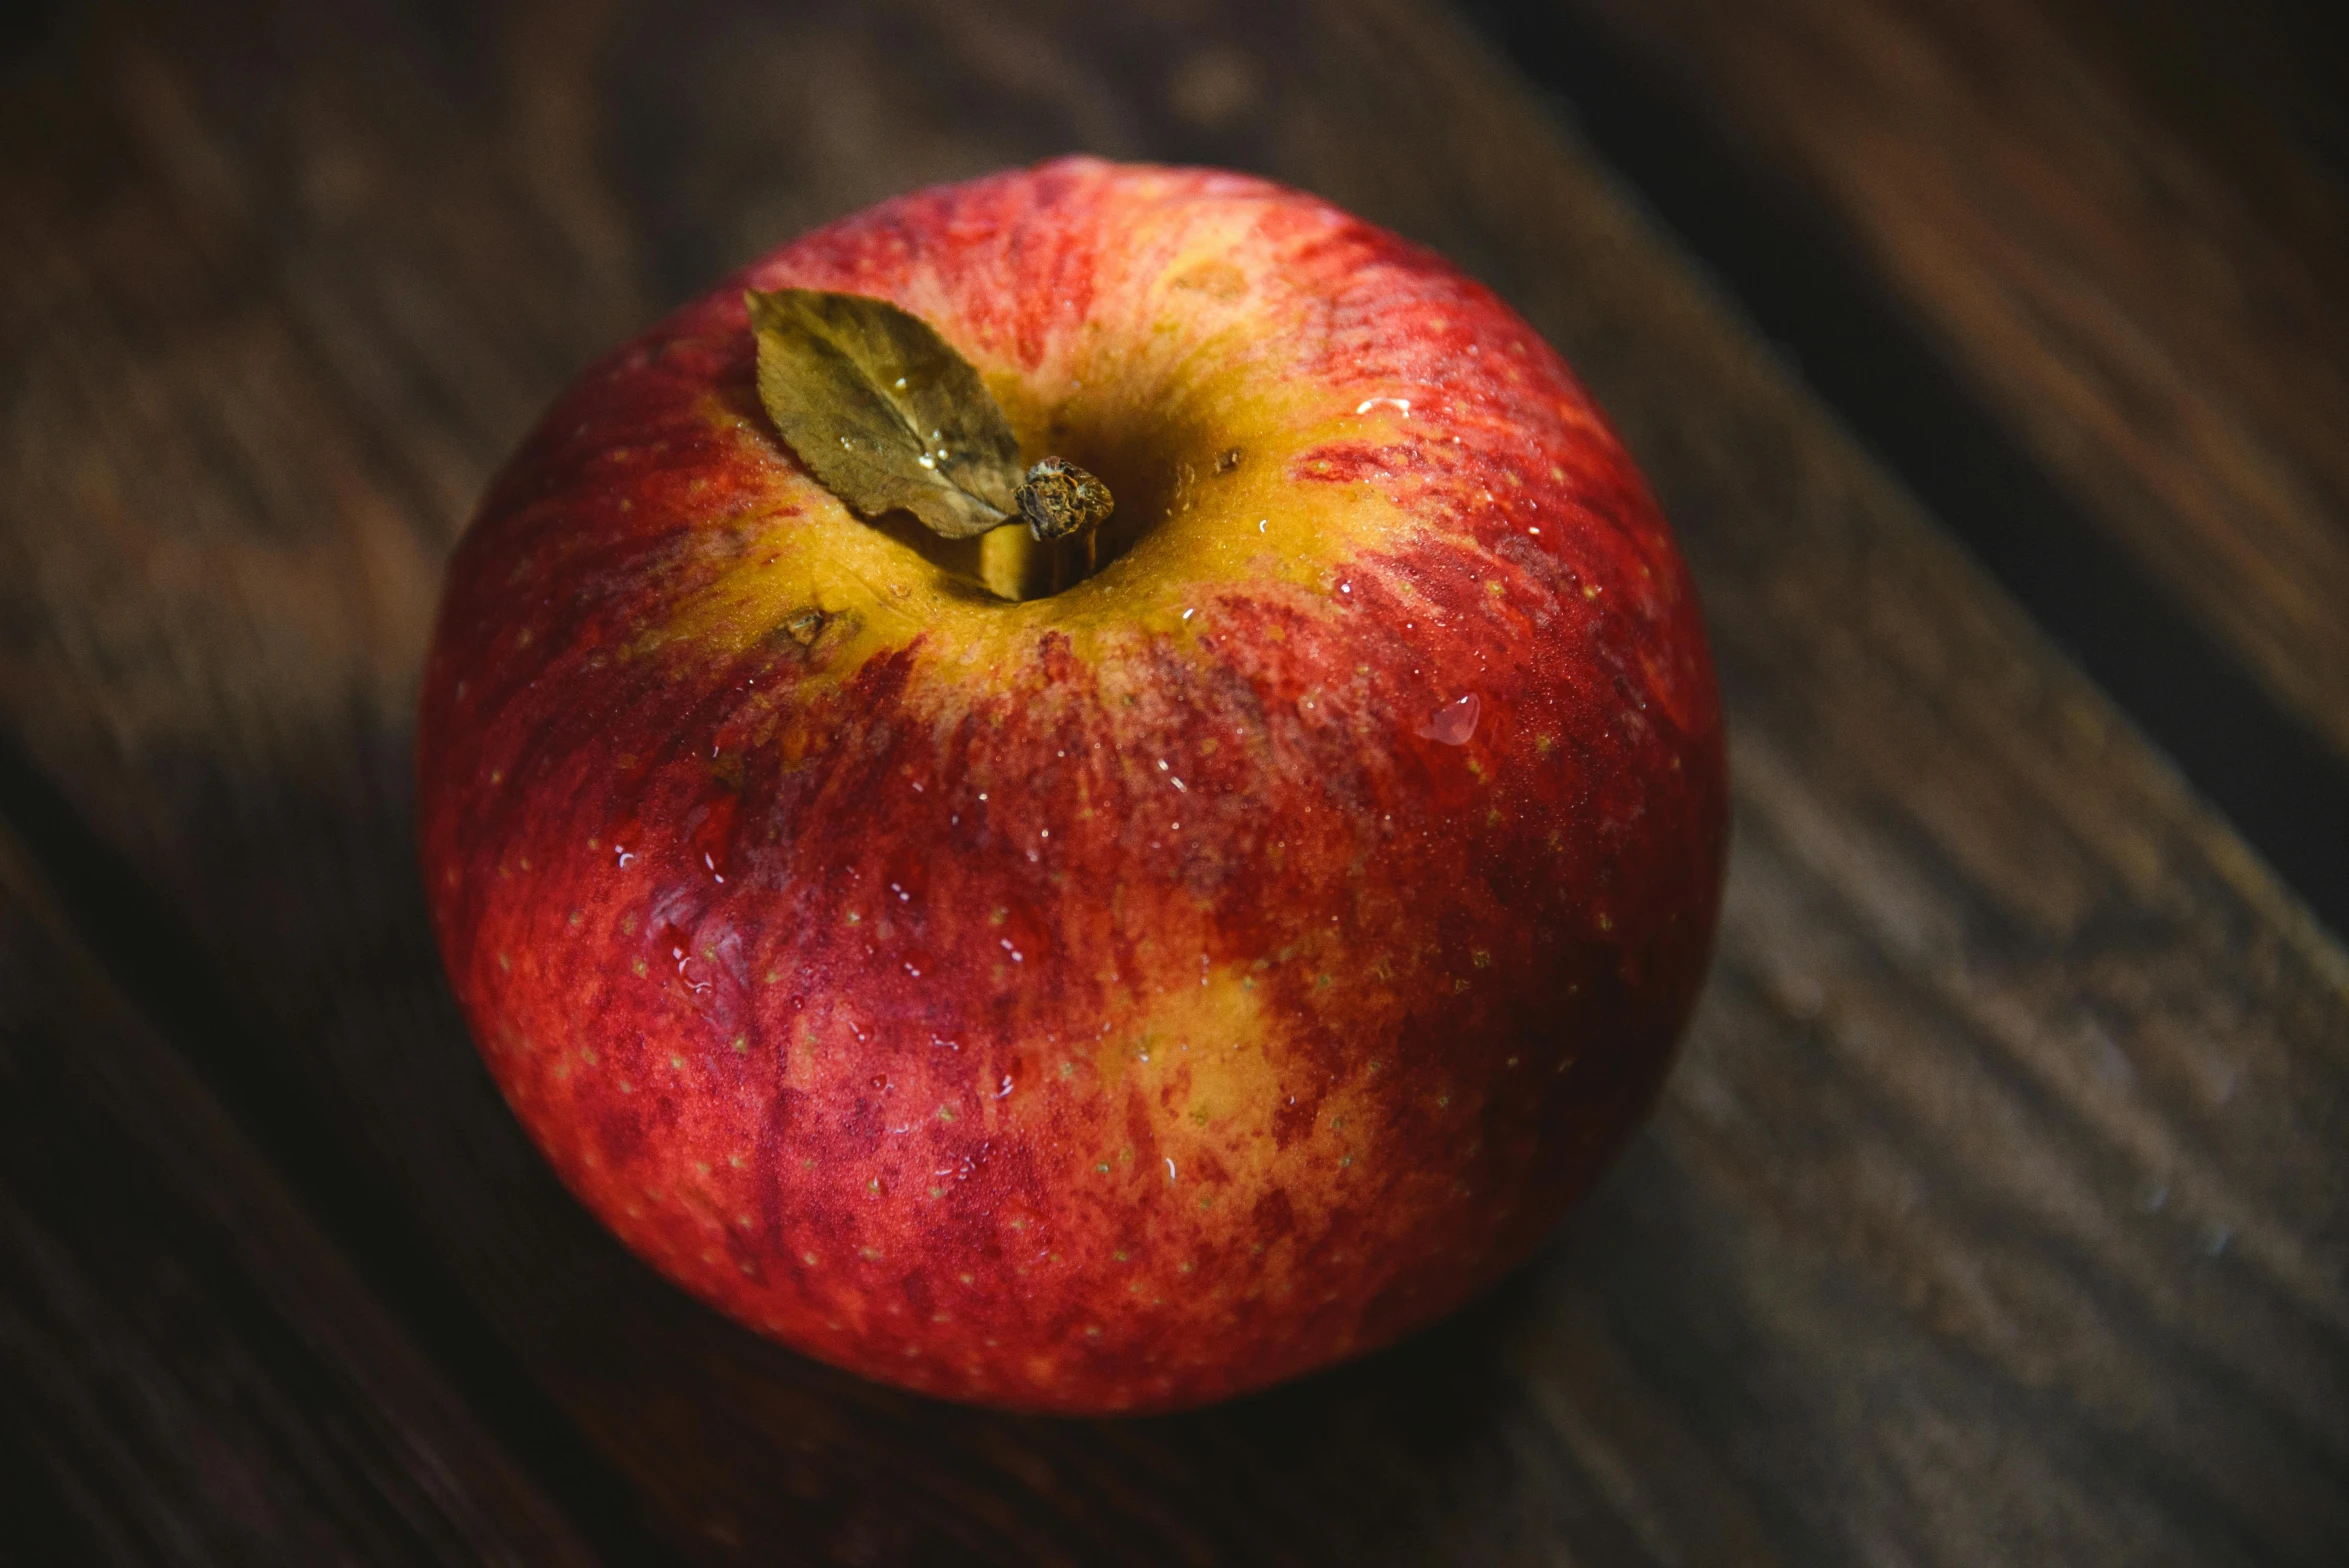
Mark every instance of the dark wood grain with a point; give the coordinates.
(1994, 1214)
(189, 1373)
(2125, 227)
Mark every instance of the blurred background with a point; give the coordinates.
(1992, 361)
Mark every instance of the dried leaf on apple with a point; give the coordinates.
(883, 411)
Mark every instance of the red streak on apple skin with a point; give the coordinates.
(917, 1015)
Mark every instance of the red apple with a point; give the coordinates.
(1131, 996)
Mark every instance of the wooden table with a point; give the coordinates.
(1996, 1211)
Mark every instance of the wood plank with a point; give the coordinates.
(189, 1371)
(2125, 230)
(1995, 1213)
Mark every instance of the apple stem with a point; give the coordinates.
(1061, 501)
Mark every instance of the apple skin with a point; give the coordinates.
(1123, 999)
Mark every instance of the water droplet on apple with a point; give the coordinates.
(1453, 722)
